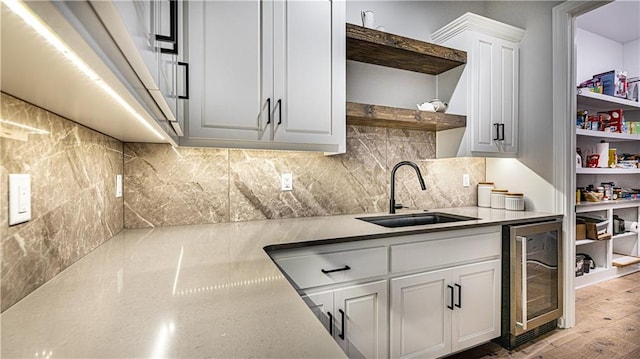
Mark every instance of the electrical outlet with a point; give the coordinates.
(287, 182)
(465, 180)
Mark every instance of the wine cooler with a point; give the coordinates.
(531, 281)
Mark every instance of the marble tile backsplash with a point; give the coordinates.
(73, 202)
(171, 186)
(73, 172)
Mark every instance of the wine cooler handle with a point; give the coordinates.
(523, 263)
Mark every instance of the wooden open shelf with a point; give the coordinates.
(385, 49)
(383, 116)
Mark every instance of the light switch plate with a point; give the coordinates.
(118, 186)
(19, 198)
(465, 180)
(287, 182)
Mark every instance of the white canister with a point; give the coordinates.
(497, 198)
(514, 201)
(484, 194)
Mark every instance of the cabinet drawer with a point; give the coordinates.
(318, 269)
(444, 252)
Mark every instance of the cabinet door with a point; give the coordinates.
(421, 315)
(476, 318)
(168, 61)
(225, 59)
(304, 77)
(140, 19)
(364, 332)
(321, 304)
(494, 95)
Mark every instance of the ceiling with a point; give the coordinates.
(618, 21)
(34, 71)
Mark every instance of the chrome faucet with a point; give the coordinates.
(392, 197)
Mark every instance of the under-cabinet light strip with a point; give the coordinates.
(25, 127)
(32, 20)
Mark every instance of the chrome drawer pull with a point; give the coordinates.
(335, 270)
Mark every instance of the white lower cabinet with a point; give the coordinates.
(356, 317)
(410, 296)
(439, 312)
(476, 316)
(420, 320)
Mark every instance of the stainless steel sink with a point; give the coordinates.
(415, 219)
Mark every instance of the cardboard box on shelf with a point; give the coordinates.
(581, 231)
(614, 83)
(595, 228)
(615, 122)
(633, 87)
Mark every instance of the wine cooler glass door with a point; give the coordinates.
(536, 286)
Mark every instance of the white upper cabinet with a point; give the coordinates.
(267, 74)
(486, 90)
(303, 72)
(139, 18)
(225, 58)
(148, 33)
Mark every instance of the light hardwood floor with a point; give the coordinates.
(607, 326)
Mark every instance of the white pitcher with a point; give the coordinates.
(368, 18)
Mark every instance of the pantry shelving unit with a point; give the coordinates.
(620, 254)
(395, 51)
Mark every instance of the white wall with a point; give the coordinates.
(416, 19)
(631, 58)
(596, 55)
(532, 172)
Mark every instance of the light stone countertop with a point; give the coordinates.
(194, 291)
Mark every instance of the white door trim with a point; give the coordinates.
(564, 142)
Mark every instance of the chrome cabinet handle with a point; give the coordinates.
(325, 271)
